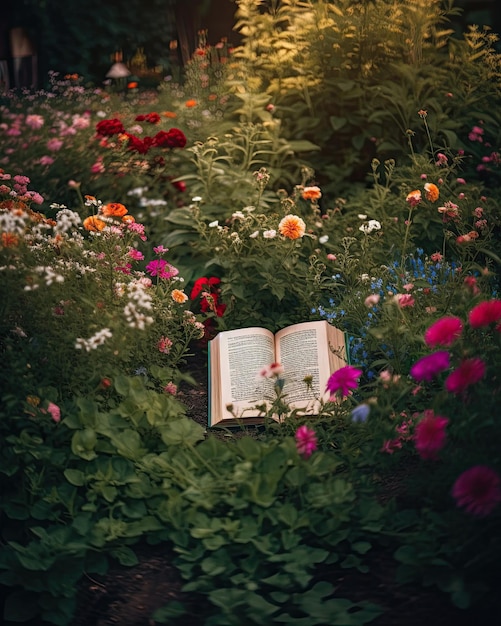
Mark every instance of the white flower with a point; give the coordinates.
(361, 216)
(254, 234)
(214, 224)
(368, 228)
(197, 199)
(269, 234)
(323, 239)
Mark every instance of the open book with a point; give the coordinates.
(236, 357)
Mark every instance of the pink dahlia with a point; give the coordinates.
(470, 371)
(443, 332)
(478, 490)
(485, 313)
(430, 435)
(430, 366)
(343, 380)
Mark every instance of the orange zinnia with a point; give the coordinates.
(170, 114)
(191, 103)
(93, 224)
(311, 193)
(179, 296)
(292, 227)
(114, 209)
(432, 192)
(128, 219)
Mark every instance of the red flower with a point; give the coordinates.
(151, 118)
(470, 371)
(443, 332)
(210, 295)
(485, 313)
(174, 138)
(107, 128)
(136, 144)
(477, 490)
(430, 435)
(203, 284)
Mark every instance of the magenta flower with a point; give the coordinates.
(478, 490)
(470, 371)
(485, 313)
(443, 332)
(429, 366)
(430, 435)
(162, 269)
(306, 441)
(343, 380)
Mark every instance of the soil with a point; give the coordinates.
(128, 596)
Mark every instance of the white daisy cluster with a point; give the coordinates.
(98, 339)
(139, 302)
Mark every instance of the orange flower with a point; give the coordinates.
(311, 193)
(93, 224)
(292, 227)
(9, 240)
(414, 197)
(114, 209)
(191, 103)
(179, 296)
(170, 114)
(128, 219)
(432, 192)
(132, 85)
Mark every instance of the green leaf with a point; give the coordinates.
(75, 477)
(125, 556)
(182, 431)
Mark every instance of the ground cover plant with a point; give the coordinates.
(136, 225)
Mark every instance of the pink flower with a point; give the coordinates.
(477, 490)
(430, 435)
(272, 370)
(485, 313)
(164, 345)
(46, 160)
(306, 441)
(35, 122)
(469, 372)
(55, 412)
(54, 144)
(162, 269)
(404, 299)
(436, 257)
(136, 255)
(371, 300)
(170, 388)
(443, 332)
(160, 250)
(343, 380)
(429, 366)
(390, 445)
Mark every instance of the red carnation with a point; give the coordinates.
(478, 490)
(107, 128)
(485, 313)
(443, 332)
(430, 435)
(174, 138)
(469, 372)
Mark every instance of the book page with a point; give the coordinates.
(241, 354)
(305, 350)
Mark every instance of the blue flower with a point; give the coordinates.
(360, 413)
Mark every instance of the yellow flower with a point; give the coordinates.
(432, 192)
(311, 193)
(292, 227)
(93, 224)
(179, 296)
